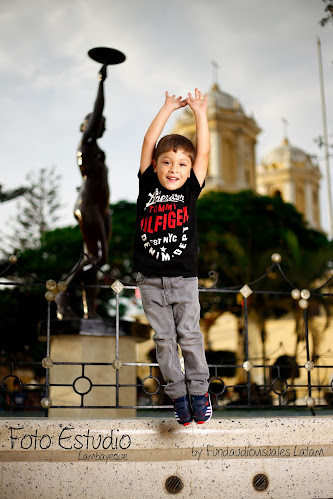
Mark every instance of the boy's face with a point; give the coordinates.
(173, 169)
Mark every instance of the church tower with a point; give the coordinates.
(286, 170)
(232, 142)
(289, 172)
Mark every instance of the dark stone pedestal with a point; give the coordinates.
(95, 327)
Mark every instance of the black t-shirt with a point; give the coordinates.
(166, 227)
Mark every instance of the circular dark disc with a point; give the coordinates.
(105, 55)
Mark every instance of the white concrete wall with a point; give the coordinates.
(44, 458)
(98, 349)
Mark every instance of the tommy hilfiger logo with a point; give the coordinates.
(157, 197)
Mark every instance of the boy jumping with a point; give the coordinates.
(172, 174)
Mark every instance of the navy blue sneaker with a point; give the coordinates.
(183, 412)
(202, 408)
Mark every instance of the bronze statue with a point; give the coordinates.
(92, 206)
(14, 193)
(91, 209)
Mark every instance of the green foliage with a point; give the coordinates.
(122, 240)
(54, 257)
(22, 308)
(56, 254)
(239, 232)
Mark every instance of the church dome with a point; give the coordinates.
(222, 100)
(286, 155)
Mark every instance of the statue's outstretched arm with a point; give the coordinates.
(95, 118)
(8, 195)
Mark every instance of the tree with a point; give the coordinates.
(21, 308)
(328, 18)
(38, 209)
(238, 233)
(122, 240)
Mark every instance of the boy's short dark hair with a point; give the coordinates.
(173, 142)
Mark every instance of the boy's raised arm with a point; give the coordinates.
(156, 127)
(198, 104)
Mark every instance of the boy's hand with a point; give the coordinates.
(156, 127)
(174, 103)
(197, 103)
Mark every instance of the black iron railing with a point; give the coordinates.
(240, 379)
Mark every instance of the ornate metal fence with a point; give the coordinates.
(239, 380)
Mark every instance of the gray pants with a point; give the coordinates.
(172, 307)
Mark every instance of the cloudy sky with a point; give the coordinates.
(267, 51)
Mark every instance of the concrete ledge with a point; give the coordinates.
(58, 459)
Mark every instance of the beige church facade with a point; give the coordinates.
(286, 170)
(289, 172)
